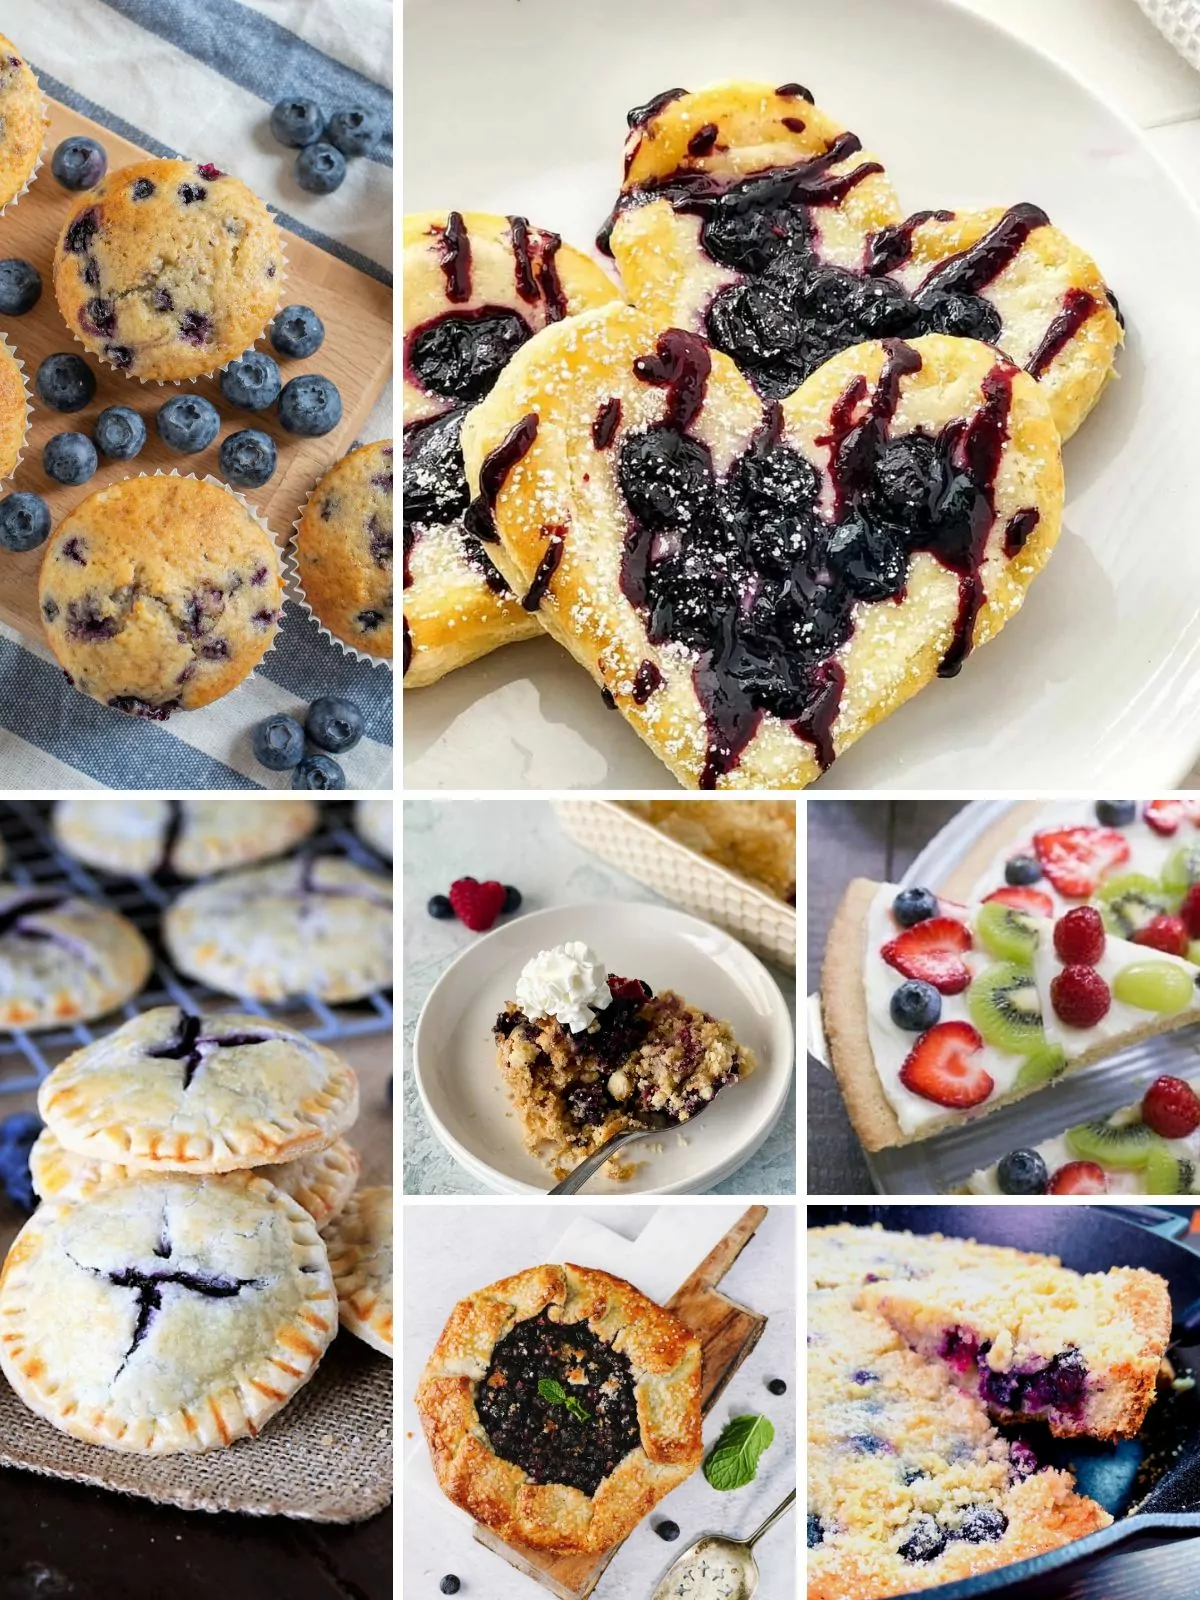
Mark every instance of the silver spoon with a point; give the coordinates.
(726, 1565)
(656, 1122)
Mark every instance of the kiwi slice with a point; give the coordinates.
(1004, 1005)
(1006, 932)
(1168, 1174)
(1126, 1145)
(1043, 1065)
(1182, 869)
(1128, 901)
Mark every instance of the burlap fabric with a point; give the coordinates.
(326, 1457)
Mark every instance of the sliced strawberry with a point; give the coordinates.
(1164, 816)
(1190, 911)
(1076, 859)
(940, 1067)
(931, 951)
(1023, 899)
(1078, 1177)
(1168, 934)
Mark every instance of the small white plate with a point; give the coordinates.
(519, 106)
(462, 1091)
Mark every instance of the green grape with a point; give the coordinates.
(1154, 986)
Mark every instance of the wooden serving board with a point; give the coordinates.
(356, 354)
(728, 1333)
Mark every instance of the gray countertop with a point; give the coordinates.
(851, 839)
(520, 842)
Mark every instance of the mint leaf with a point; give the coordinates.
(733, 1460)
(552, 1392)
(577, 1411)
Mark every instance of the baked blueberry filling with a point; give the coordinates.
(188, 1045)
(816, 1533)
(459, 355)
(13, 916)
(134, 706)
(536, 1369)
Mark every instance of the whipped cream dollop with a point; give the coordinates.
(568, 983)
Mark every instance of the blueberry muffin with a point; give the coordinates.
(22, 122)
(168, 270)
(343, 550)
(14, 409)
(160, 594)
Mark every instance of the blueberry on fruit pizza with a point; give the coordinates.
(754, 583)
(476, 288)
(560, 1405)
(935, 1014)
(751, 217)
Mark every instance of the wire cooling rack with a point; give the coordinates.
(34, 859)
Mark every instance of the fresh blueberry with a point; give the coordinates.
(1115, 813)
(334, 724)
(79, 163)
(69, 458)
(252, 382)
(297, 331)
(310, 405)
(24, 521)
(666, 1529)
(65, 382)
(512, 900)
(278, 742)
(248, 458)
(320, 169)
(915, 1006)
(297, 122)
(1021, 870)
(914, 905)
(17, 1136)
(777, 1386)
(440, 907)
(20, 287)
(188, 423)
(120, 433)
(1022, 1172)
(449, 1584)
(318, 772)
(355, 131)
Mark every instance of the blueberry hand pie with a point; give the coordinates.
(190, 838)
(560, 1406)
(476, 287)
(755, 583)
(359, 1241)
(63, 959)
(166, 1315)
(749, 216)
(175, 1092)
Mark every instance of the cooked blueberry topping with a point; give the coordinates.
(82, 231)
(195, 328)
(119, 432)
(606, 423)
(24, 524)
(20, 287)
(869, 1444)
(65, 382)
(91, 272)
(149, 1286)
(981, 1525)
(1023, 1459)
(578, 1445)
(49, 608)
(1061, 1385)
(86, 625)
(435, 480)
(926, 1541)
(816, 1532)
(588, 1102)
(379, 541)
(142, 189)
(703, 139)
(99, 317)
(134, 706)
(459, 356)
(72, 550)
(646, 680)
(120, 355)
(189, 193)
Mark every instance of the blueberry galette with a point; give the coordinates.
(174, 1092)
(64, 959)
(476, 287)
(359, 1241)
(560, 1406)
(749, 216)
(755, 583)
(190, 838)
(165, 1315)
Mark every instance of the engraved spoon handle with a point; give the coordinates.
(590, 1165)
(771, 1521)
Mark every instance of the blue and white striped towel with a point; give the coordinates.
(192, 76)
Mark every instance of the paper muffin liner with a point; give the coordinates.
(11, 205)
(6, 478)
(208, 477)
(292, 569)
(214, 373)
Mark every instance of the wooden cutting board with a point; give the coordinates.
(727, 1332)
(356, 354)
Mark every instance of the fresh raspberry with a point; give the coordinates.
(1080, 996)
(1171, 1108)
(477, 905)
(1079, 937)
(1078, 1177)
(1168, 934)
(1190, 911)
(631, 989)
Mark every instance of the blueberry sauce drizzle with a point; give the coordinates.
(973, 269)
(518, 229)
(681, 364)
(13, 916)
(497, 465)
(641, 115)
(188, 1045)
(456, 259)
(605, 423)
(794, 124)
(892, 246)
(794, 91)
(703, 139)
(547, 567)
(1018, 529)
(148, 1287)
(1077, 307)
(646, 680)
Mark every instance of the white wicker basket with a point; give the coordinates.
(682, 876)
(1179, 22)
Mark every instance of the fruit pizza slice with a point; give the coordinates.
(935, 1014)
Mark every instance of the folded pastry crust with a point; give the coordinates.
(359, 1242)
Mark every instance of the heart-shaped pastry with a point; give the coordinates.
(476, 287)
(754, 584)
(749, 216)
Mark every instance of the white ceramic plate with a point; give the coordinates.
(518, 106)
(460, 1085)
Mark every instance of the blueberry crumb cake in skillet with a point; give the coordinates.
(560, 1405)
(586, 1055)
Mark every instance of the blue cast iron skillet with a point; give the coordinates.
(1150, 1485)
